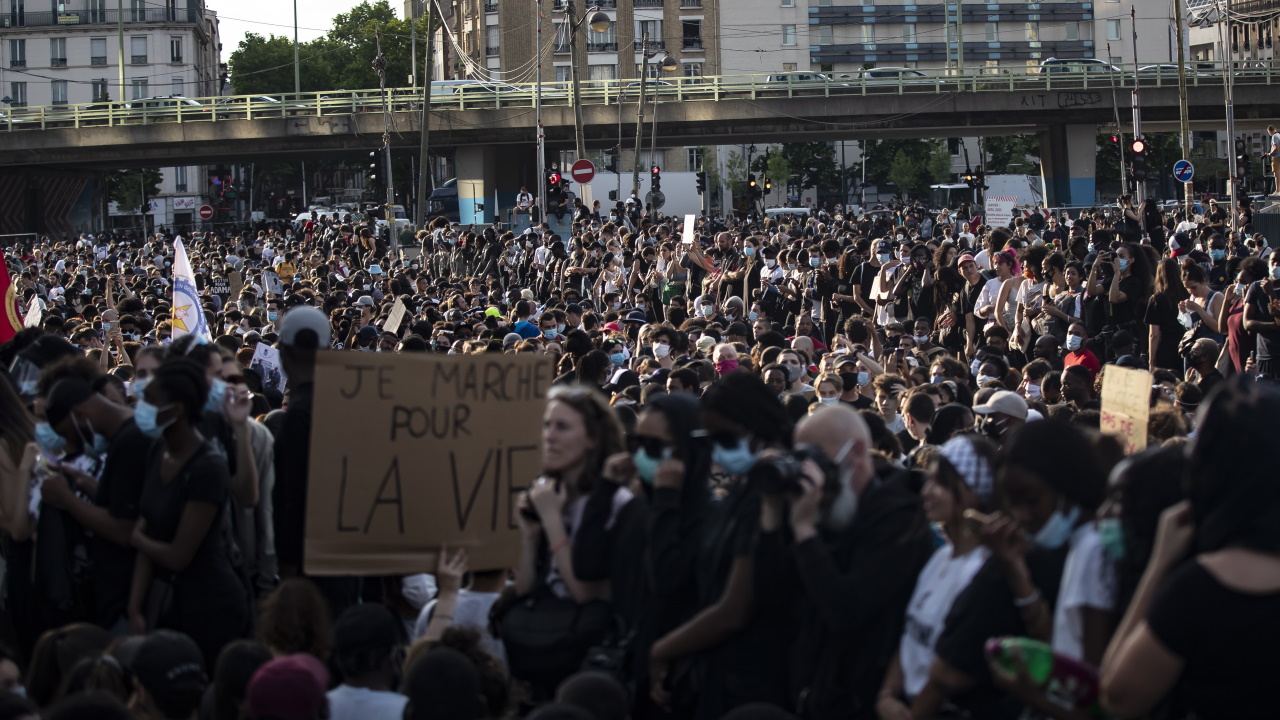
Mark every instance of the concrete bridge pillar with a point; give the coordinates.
(1068, 164)
(489, 174)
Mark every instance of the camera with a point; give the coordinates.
(352, 312)
(782, 475)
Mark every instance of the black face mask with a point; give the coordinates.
(850, 381)
(992, 428)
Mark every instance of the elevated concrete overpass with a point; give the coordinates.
(1064, 110)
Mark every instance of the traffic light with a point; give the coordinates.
(1242, 159)
(612, 154)
(751, 184)
(1138, 159)
(553, 185)
(655, 178)
(768, 184)
(702, 182)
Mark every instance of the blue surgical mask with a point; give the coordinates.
(973, 366)
(815, 262)
(1074, 342)
(140, 385)
(1057, 530)
(272, 316)
(921, 339)
(864, 377)
(48, 438)
(736, 460)
(1124, 264)
(753, 316)
(549, 334)
(618, 358)
(217, 396)
(1275, 272)
(145, 414)
(1217, 255)
(936, 379)
(884, 258)
(749, 251)
(829, 401)
(647, 465)
(1111, 532)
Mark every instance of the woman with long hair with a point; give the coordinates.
(18, 452)
(1162, 317)
(183, 577)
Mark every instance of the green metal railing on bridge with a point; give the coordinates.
(457, 95)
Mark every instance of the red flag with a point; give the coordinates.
(11, 316)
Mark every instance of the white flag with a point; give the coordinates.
(188, 313)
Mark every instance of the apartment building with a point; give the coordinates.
(67, 52)
(498, 39)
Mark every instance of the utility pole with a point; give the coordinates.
(1139, 186)
(1228, 82)
(644, 73)
(580, 143)
(297, 72)
(380, 67)
(424, 126)
(1115, 111)
(542, 133)
(120, 32)
(960, 35)
(1184, 118)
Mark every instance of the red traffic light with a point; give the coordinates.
(655, 170)
(554, 179)
(1115, 139)
(1138, 147)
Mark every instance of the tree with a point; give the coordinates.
(779, 172)
(1018, 154)
(917, 165)
(127, 188)
(812, 164)
(264, 66)
(735, 167)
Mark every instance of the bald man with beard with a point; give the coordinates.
(845, 564)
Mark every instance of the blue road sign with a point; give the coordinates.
(1183, 171)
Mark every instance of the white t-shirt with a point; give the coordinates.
(982, 260)
(990, 292)
(471, 611)
(1275, 146)
(941, 581)
(352, 703)
(1088, 581)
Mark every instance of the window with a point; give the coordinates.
(18, 94)
(651, 71)
(953, 146)
(98, 90)
(602, 72)
(175, 86)
(788, 34)
(691, 34)
(175, 49)
(908, 33)
(491, 45)
(1113, 29)
(57, 52)
(1032, 30)
(562, 39)
(693, 159)
(991, 67)
(992, 33)
(788, 3)
(97, 11)
(562, 73)
(138, 87)
(180, 179)
(693, 69)
(58, 91)
(789, 67)
(649, 159)
(138, 50)
(651, 27)
(97, 51)
(606, 41)
(866, 32)
(825, 35)
(17, 53)
(137, 10)
(1073, 31)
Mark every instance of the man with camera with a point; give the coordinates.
(841, 545)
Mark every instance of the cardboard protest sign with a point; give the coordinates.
(395, 318)
(411, 452)
(686, 236)
(1126, 406)
(237, 283)
(272, 283)
(266, 361)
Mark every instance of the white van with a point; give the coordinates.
(799, 212)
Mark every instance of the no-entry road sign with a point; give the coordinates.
(206, 212)
(583, 171)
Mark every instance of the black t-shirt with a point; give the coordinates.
(120, 493)
(1229, 642)
(864, 276)
(1163, 313)
(1132, 309)
(1268, 340)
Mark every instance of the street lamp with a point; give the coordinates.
(598, 22)
(668, 64)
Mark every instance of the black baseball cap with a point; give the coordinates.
(169, 662)
(367, 627)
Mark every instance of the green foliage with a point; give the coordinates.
(124, 187)
(778, 170)
(341, 60)
(1012, 154)
(735, 167)
(913, 167)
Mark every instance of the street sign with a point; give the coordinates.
(656, 199)
(1183, 171)
(206, 212)
(582, 171)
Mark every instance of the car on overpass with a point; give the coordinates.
(169, 108)
(1079, 66)
(892, 76)
(244, 106)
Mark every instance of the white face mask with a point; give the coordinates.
(771, 263)
(661, 350)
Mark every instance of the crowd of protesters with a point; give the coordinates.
(803, 467)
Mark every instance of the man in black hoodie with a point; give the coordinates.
(846, 565)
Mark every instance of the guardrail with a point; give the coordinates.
(490, 96)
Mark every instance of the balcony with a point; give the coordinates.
(62, 101)
(176, 59)
(98, 61)
(137, 59)
(648, 3)
(17, 63)
(57, 62)
(491, 7)
(602, 46)
(691, 43)
(99, 17)
(562, 49)
(491, 51)
(690, 3)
